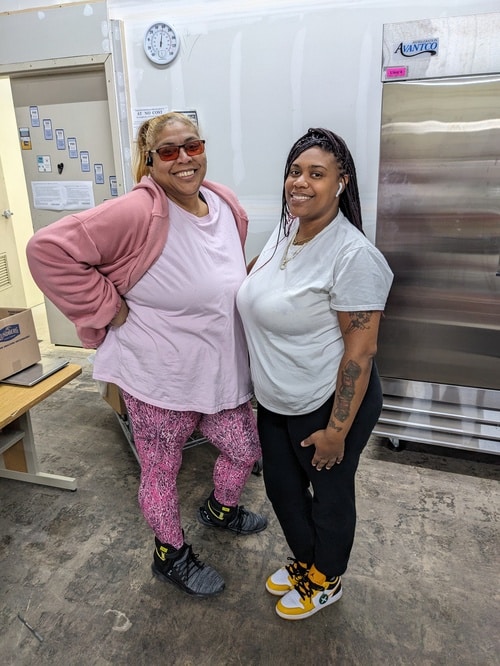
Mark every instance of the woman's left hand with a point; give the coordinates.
(328, 452)
(121, 316)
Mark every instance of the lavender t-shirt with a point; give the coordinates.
(182, 346)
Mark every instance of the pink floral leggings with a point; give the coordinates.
(159, 437)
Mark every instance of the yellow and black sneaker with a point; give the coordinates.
(311, 594)
(286, 578)
(233, 518)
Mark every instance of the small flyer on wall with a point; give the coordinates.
(84, 160)
(47, 129)
(44, 163)
(72, 148)
(60, 140)
(64, 195)
(140, 114)
(35, 116)
(99, 174)
(113, 186)
(25, 138)
(192, 115)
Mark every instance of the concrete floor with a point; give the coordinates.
(422, 586)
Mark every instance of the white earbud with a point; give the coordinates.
(339, 190)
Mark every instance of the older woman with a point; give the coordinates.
(311, 308)
(150, 279)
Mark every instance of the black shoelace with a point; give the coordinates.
(306, 588)
(295, 570)
(190, 563)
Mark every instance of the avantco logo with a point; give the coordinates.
(418, 47)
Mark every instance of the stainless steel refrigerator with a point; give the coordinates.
(438, 225)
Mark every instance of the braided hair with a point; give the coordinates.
(332, 143)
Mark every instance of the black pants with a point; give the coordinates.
(319, 525)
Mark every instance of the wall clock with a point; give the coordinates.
(161, 43)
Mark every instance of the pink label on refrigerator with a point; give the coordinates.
(396, 72)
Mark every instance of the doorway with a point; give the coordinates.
(70, 151)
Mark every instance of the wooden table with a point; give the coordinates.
(18, 458)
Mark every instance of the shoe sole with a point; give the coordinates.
(314, 610)
(199, 595)
(227, 529)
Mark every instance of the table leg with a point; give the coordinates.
(20, 462)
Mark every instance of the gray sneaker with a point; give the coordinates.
(183, 569)
(236, 519)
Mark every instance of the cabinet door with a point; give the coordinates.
(65, 133)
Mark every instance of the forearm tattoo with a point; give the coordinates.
(360, 321)
(345, 394)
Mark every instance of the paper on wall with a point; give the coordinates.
(65, 195)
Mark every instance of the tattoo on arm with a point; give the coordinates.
(345, 393)
(360, 321)
(333, 425)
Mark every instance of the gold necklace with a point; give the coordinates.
(301, 242)
(301, 245)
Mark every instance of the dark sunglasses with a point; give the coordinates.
(171, 152)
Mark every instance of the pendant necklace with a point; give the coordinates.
(300, 246)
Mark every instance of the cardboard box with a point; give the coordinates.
(19, 346)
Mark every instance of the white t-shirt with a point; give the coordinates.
(183, 346)
(289, 314)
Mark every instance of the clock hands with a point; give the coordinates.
(161, 43)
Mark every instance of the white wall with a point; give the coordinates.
(260, 72)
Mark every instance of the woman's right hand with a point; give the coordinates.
(121, 316)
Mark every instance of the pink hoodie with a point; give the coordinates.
(85, 262)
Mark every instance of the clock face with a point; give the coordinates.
(161, 43)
